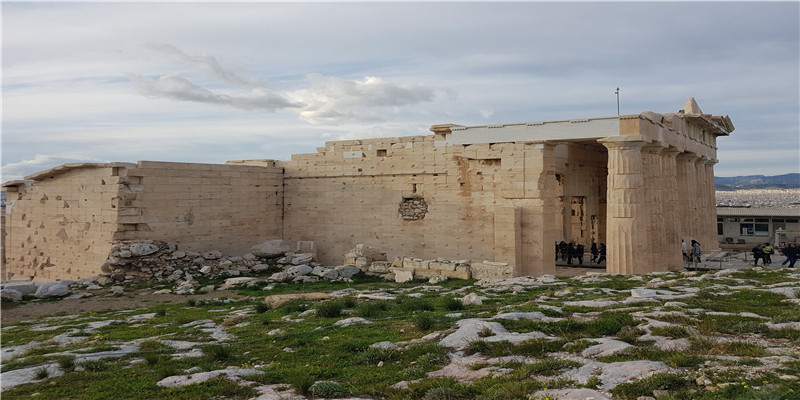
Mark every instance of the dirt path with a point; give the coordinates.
(101, 301)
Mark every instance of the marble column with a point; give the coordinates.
(686, 194)
(672, 214)
(626, 224)
(712, 239)
(655, 200)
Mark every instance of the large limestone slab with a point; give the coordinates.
(491, 270)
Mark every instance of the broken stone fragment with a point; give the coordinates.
(471, 299)
(212, 255)
(143, 249)
(270, 249)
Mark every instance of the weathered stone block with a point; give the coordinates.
(442, 265)
(489, 269)
(379, 267)
(415, 263)
(402, 275)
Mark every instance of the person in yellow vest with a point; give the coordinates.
(768, 251)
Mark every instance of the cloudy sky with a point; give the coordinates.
(210, 82)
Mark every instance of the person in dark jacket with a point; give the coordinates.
(594, 252)
(579, 253)
(602, 252)
(758, 253)
(791, 252)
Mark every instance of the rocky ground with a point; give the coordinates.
(732, 333)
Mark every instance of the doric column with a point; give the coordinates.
(655, 200)
(710, 209)
(626, 230)
(686, 193)
(672, 214)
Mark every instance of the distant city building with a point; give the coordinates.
(748, 225)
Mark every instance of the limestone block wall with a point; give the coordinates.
(416, 196)
(371, 191)
(202, 207)
(61, 227)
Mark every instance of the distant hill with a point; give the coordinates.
(786, 181)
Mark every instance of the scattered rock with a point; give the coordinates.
(52, 289)
(11, 294)
(472, 299)
(270, 249)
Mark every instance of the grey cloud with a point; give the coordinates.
(178, 88)
(208, 64)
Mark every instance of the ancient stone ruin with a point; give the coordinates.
(497, 197)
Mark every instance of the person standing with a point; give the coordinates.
(594, 252)
(758, 253)
(685, 250)
(602, 252)
(570, 252)
(768, 251)
(791, 253)
(579, 253)
(696, 252)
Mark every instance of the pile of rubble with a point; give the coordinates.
(404, 269)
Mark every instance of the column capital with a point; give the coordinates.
(672, 151)
(688, 157)
(654, 148)
(708, 161)
(624, 142)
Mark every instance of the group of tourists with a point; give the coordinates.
(765, 251)
(570, 251)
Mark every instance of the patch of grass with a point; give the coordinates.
(261, 307)
(432, 360)
(675, 332)
(372, 309)
(710, 346)
(673, 358)
(325, 389)
(412, 373)
(94, 365)
(608, 324)
(645, 387)
(415, 304)
(67, 363)
(373, 356)
(486, 332)
(218, 352)
(453, 304)
(786, 333)
(330, 309)
(578, 345)
(546, 368)
(302, 383)
(424, 322)
(629, 334)
(538, 347)
(41, 372)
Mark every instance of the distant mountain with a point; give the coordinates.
(786, 181)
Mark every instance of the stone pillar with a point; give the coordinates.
(626, 230)
(655, 199)
(686, 192)
(710, 209)
(539, 215)
(672, 214)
